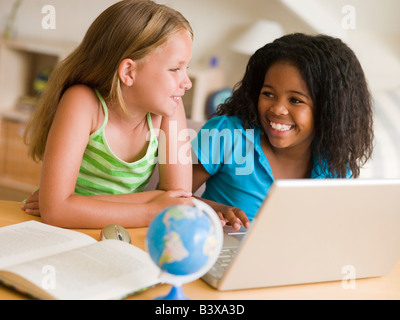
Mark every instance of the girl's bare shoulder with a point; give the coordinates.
(80, 95)
(81, 101)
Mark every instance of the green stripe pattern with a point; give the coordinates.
(102, 172)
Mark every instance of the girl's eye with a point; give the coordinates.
(175, 69)
(295, 100)
(268, 94)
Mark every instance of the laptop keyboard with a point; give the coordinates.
(222, 262)
(232, 240)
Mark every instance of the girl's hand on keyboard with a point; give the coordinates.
(229, 215)
(232, 216)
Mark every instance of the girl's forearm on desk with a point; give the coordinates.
(78, 211)
(140, 197)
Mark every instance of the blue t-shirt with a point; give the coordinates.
(240, 172)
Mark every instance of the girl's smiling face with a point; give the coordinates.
(161, 79)
(285, 108)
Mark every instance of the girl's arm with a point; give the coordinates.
(227, 214)
(74, 121)
(175, 160)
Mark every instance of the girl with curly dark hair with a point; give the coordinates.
(303, 110)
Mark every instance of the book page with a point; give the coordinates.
(109, 269)
(31, 240)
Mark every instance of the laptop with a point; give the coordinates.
(309, 231)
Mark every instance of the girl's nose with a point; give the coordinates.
(279, 108)
(186, 83)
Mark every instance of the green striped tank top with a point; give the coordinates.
(102, 172)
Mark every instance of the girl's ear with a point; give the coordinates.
(126, 71)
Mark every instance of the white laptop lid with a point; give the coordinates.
(319, 230)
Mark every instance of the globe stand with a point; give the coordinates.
(176, 293)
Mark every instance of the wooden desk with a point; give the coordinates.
(387, 287)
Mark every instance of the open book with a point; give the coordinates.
(54, 263)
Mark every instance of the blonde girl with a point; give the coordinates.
(97, 124)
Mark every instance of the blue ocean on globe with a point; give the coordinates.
(181, 240)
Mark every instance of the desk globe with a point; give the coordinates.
(184, 242)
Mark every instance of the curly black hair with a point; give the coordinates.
(338, 87)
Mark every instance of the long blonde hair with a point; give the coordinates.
(127, 29)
